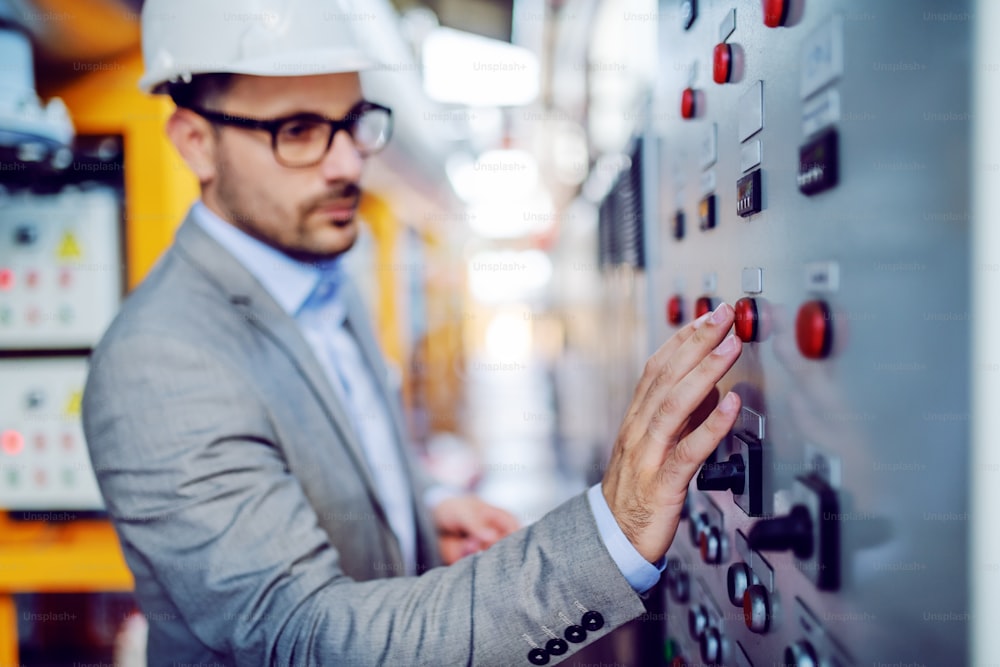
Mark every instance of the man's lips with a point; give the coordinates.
(340, 209)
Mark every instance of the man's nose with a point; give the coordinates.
(342, 162)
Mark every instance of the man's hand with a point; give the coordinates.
(466, 525)
(673, 423)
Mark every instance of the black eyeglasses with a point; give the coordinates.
(303, 139)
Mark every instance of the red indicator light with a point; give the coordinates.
(722, 63)
(689, 107)
(814, 330)
(675, 310)
(6, 279)
(703, 305)
(776, 12)
(12, 442)
(747, 319)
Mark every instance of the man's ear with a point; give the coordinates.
(195, 140)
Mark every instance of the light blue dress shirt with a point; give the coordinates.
(297, 288)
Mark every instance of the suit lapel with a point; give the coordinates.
(261, 310)
(358, 321)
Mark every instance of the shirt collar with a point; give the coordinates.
(289, 281)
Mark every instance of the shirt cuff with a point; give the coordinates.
(439, 492)
(639, 572)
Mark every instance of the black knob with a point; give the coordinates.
(801, 654)
(697, 621)
(593, 621)
(575, 634)
(25, 235)
(729, 475)
(738, 578)
(757, 609)
(711, 646)
(792, 532)
(710, 545)
(698, 523)
(556, 646)
(537, 656)
(680, 588)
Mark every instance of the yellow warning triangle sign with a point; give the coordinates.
(74, 404)
(69, 248)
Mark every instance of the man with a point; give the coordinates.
(241, 430)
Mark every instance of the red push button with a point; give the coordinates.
(814, 330)
(675, 310)
(747, 320)
(776, 12)
(722, 63)
(689, 103)
(704, 304)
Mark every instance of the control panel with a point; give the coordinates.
(813, 172)
(61, 284)
(60, 267)
(43, 456)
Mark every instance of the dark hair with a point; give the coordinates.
(202, 91)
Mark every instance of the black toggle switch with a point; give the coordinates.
(811, 531)
(729, 475)
(556, 646)
(575, 634)
(793, 532)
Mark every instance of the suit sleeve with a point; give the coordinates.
(198, 489)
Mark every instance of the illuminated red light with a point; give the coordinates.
(775, 12)
(814, 330)
(722, 63)
(689, 108)
(703, 305)
(675, 310)
(746, 319)
(12, 442)
(6, 279)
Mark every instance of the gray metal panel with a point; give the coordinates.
(891, 406)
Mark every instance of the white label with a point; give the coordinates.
(751, 111)
(728, 25)
(709, 148)
(752, 280)
(821, 111)
(750, 155)
(822, 56)
(752, 423)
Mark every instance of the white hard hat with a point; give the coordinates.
(181, 38)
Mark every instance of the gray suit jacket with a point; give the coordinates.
(247, 514)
